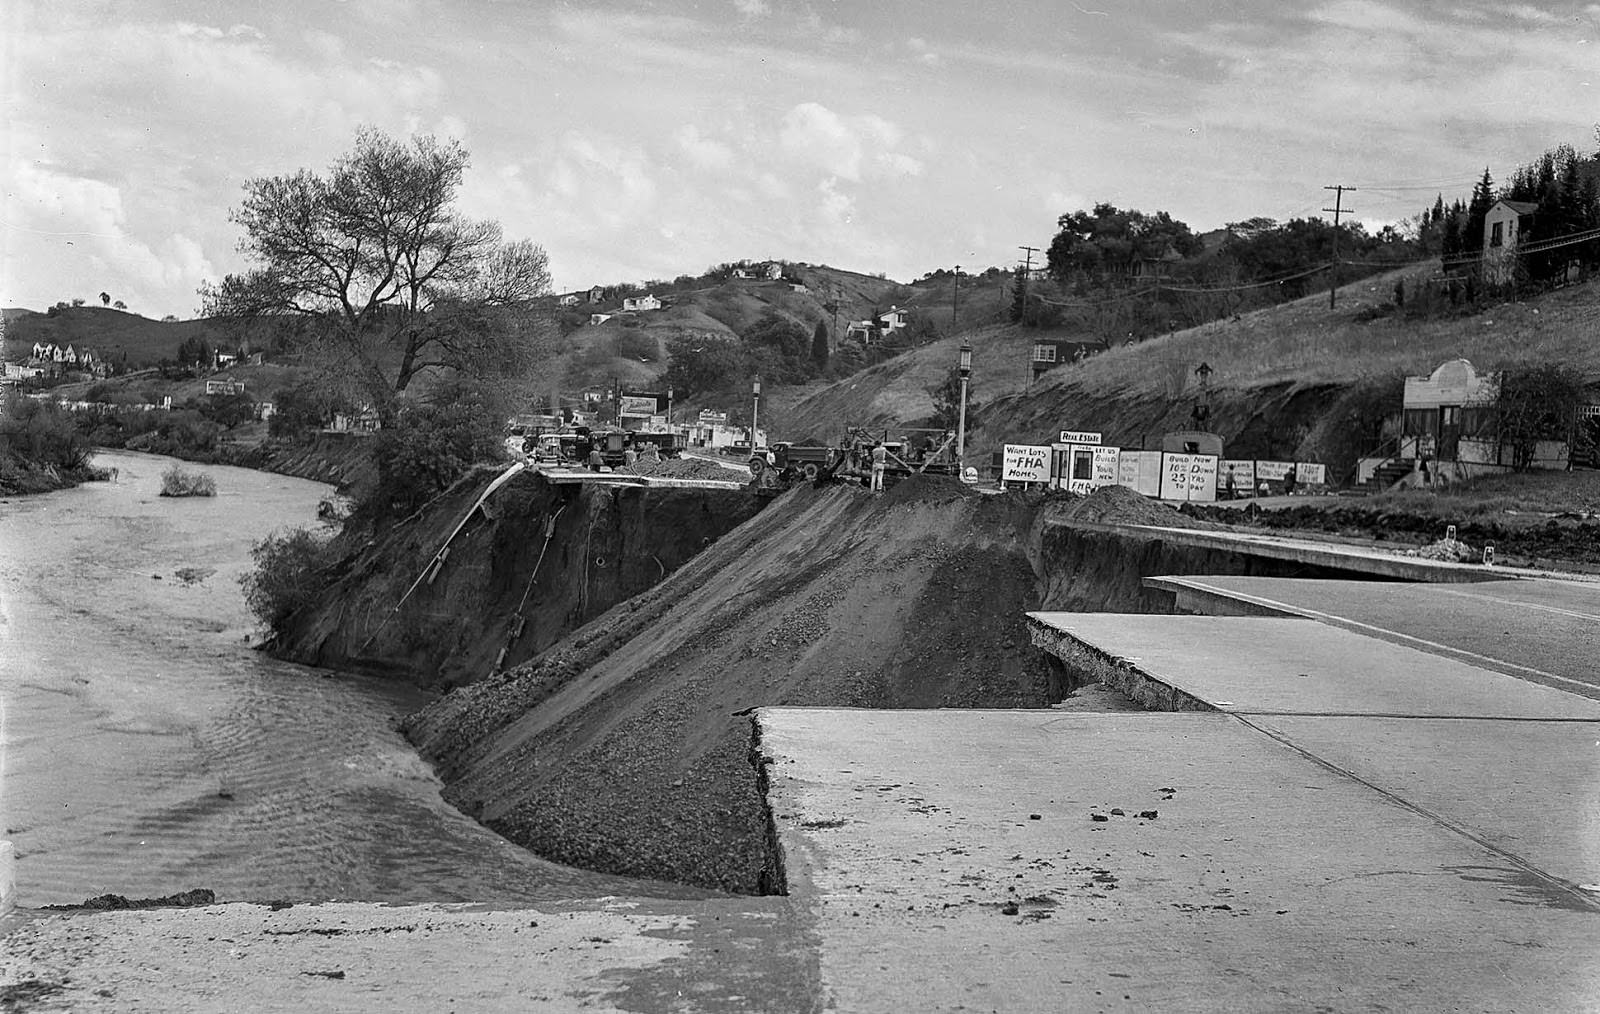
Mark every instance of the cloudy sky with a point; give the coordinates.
(636, 140)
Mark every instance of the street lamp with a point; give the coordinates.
(965, 368)
(755, 408)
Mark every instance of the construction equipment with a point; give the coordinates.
(918, 451)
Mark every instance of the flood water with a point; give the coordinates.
(147, 749)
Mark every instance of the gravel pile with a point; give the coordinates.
(685, 468)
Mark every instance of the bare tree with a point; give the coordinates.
(394, 280)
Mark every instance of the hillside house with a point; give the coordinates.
(635, 304)
(596, 295)
(879, 327)
(599, 318)
(1449, 420)
(227, 386)
(771, 271)
(1050, 353)
(571, 299)
(1503, 226)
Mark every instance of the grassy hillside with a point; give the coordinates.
(111, 333)
(1286, 379)
(633, 347)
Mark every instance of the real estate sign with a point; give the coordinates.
(1188, 477)
(1103, 469)
(1025, 463)
(1079, 437)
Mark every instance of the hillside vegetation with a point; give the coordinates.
(1286, 378)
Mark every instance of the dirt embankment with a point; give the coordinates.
(1523, 540)
(625, 748)
(343, 460)
(558, 555)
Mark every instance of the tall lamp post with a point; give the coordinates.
(965, 369)
(755, 409)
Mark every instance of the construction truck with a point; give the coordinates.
(915, 452)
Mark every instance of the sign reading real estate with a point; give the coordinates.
(1025, 463)
(1079, 437)
(637, 406)
(1188, 477)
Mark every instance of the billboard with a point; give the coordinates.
(1025, 463)
(1188, 476)
(1236, 478)
(638, 406)
(1140, 471)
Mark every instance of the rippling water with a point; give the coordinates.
(149, 750)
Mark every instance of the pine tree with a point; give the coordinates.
(1019, 296)
(1477, 211)
(819, 346)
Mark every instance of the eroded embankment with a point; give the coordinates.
(625, 747)
(558, 555)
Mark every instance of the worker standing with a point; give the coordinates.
(596, 460)
(629, 457)
(880, 457)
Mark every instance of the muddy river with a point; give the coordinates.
(147, 749)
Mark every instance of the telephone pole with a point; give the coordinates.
(1338, 209)
(955, 298)
(1027, 270)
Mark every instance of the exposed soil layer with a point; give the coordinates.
(625, 748)
(557, 555)
(1551, 540)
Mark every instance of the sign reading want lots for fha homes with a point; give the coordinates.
(1025, 463)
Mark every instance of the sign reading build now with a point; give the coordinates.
(1188, 476)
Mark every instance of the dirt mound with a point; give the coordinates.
(685, 468)
(625, 748)
(1113, 505)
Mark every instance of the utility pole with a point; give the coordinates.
(1337, 209)
(955, 299)
(1027, 270)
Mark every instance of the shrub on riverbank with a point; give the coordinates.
(40, 448)
(179, 481)
(290, 572)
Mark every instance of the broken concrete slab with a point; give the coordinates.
(1301, 666)
(1540, 629)
(1267, 881)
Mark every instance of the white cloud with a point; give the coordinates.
(752, 8)
(704, 152)
(815, 135)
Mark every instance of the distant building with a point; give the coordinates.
(571, 299)
(227, 386)
(1503, 226)
(1050, 353)
(772, 271)
(638, 303)
(599, 318)
(879, 327)
(596, 294)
